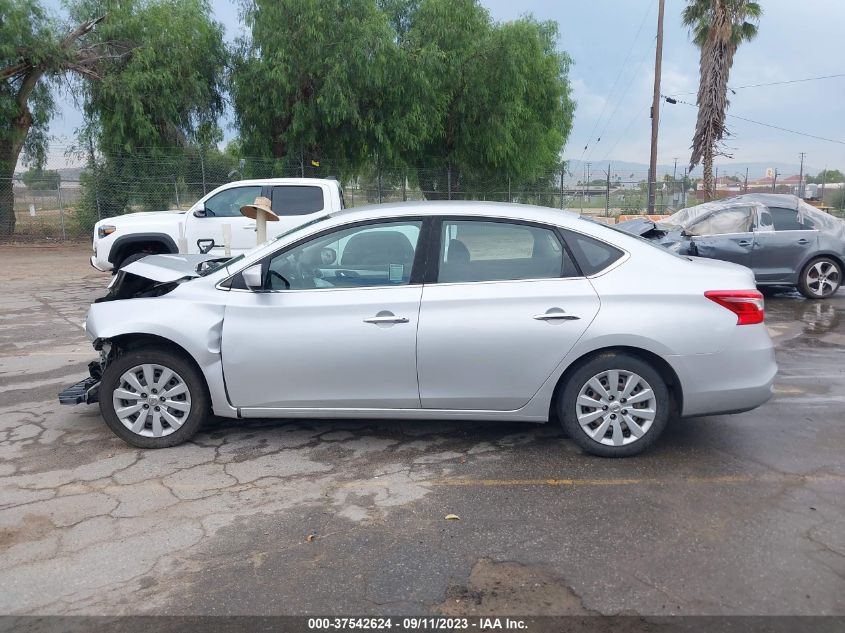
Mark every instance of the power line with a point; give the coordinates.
(773, 83)
(774, 127)
(616, 81)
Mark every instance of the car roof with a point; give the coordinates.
(505, 210)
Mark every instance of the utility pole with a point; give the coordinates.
(607, 194)
(655, 108)
(775, 181)
(801, 177)
(674, 179)
(745, 188)
(824, 182)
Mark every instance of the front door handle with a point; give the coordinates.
(556, 314)
(744, 243)
(385, 318)
(249, 227)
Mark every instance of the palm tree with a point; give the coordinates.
(717, 27)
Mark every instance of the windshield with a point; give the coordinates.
(210, 266)
(680, 219)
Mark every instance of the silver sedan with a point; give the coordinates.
(448, 311)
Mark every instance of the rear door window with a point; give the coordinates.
(787, 220)
(297, 200)
(477, 250)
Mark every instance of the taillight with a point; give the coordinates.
(747, 305)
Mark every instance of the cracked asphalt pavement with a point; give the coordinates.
(735, 514)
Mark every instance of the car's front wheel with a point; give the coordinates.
(820, 278)
(614, 405)
(153, 398)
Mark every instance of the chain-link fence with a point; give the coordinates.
(63, 204)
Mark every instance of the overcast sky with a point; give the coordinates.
(612, 45)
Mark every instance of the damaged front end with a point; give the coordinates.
(152, 276)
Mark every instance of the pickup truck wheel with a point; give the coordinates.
(153, 398)
(134, 257)
(614, 405)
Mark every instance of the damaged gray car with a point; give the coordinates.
(784, 240)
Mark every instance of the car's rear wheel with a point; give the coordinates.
(153, 398)
(614, 405)
(820, 278)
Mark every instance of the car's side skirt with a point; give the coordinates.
(397, 414)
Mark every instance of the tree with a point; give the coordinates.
(498, 95)
(37, 178)
(322, 79)
(827, 175)
(717, 28)
(152, 114)
(34, 50)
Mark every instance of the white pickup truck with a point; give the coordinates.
(214, 224)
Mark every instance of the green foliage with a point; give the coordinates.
(390, 82)
(167, 91)
(827, 175)
(744, 16)
(37, 178)
(26, 31)
(153, 111)
(319, 79)
(499, 94)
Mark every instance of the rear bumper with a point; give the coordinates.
(739, 378)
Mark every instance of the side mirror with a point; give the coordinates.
(200, 213)
(252, 277)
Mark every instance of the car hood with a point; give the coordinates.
(167, 268)
(142, 217)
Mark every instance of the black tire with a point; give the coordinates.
(568, 408)
(197, 392)
(134, 257)
(805, 281)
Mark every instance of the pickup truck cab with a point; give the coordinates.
(214, 224)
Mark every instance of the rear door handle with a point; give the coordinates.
(386, 319)
(556, 315)
(744, 243)
(803, 241)
(249, 227)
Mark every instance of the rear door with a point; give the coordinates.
(295, 205)
(726, 234)
(505, 305)
(783, 243)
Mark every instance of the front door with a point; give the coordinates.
(727, 235)
(334, 327)
(507, 306)
(223, 210)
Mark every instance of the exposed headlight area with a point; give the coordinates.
(106, 229)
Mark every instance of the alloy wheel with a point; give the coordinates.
(823, 278)
(151, 400)
(616, 407)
